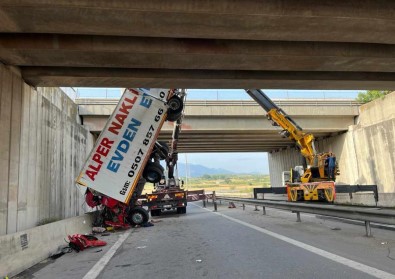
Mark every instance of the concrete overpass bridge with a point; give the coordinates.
(288, 44)
(211, 44)
(237, 126)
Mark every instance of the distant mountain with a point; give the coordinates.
(199, 170)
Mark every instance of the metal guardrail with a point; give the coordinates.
(358, 188)
(375, 215)
(339, 189)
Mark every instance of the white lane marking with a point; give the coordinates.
(339, 259)
(98, 267)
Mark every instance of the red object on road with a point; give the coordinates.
(80, 242)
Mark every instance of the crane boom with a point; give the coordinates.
(291, 129)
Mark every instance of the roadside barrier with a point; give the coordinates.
(365, 214)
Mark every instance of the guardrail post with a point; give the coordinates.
(368, 229)
(244, 206)
(297, 216)
(214, 201)
(263, 210)
(204, 203)
(256, 208)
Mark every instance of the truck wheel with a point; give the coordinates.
(176, 106)
(173, 116)
(153, 172)
(164, 149)
(181, 210)
(137, 216)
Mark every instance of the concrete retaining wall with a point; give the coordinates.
(21, 250)
(42, 148)
(366, 153)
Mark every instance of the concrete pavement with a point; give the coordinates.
(202, 244)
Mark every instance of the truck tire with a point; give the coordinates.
(155, 212)
(137, 216)
(174, 111)
(181, 210)
(173, 116)
(164, 149)
(153, 172)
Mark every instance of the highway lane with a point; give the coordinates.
(233, 244)
(205, 245)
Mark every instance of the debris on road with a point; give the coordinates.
(231, 205)
(98, 229)
(79, 242)
(148, 224)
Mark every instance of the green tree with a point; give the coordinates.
(371, 95)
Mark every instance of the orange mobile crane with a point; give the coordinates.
(313, 183)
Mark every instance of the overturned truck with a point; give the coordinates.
(127, 155)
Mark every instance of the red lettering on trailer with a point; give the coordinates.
(106, 143)
(91, 174)
(133, 91)
(101, 151)
(122, 114)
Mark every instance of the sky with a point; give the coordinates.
(230, 94)
(235, 162)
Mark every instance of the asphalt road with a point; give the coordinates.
(233, 244)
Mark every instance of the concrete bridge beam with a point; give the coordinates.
(236, 126)
(341, 21)
(209, 54)
(208, 79)
(216, 44)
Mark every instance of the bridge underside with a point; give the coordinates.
(220, 141)
(236, 126)
(213, 44)
(208, 141)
